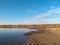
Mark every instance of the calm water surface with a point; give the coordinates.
(13, 36)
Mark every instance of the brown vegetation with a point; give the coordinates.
(32, 26)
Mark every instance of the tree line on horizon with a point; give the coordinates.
(32, 26)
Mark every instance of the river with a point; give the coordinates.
(13, 36)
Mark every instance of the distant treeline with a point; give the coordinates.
(32, 26)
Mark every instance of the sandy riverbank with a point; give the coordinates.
(49, 36)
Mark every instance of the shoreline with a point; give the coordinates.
(48, 37)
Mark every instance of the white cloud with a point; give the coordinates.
(35, 11)
(29, 11)
(39, 19)
(52, 7)
(32, 11)
(53, 1)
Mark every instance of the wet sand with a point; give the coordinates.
(49, 36)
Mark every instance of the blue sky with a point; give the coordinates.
(29, 11)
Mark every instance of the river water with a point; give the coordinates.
(13, 36)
